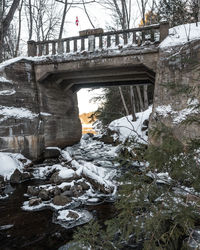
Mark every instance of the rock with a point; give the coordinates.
(56, 191)
(55, 178)
(84, 185)
(34, 202)
(72, 215)
(61, 200)
(44, 195)
(85, 137)
(66, 188)
(51, 153)
(77, 190)
(26, 176)
(16, 177)
(34, 191)
(68, 193)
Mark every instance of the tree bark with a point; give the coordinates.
(133, 109)
(123, 101)
(140, 98)
(146, 104)
(19, 32)
(63, 19)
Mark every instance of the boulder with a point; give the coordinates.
(61, 200)
(55, 178)
(77, 190)
(26, 176)
(84, 185)
(51, 153)
(56, 191)
(16, 177)
(72, 215)
(68, 193)
(34, 202)
(34, 191)
(44, 195)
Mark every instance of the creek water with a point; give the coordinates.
(21, 229)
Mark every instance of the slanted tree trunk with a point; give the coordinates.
(140, 98)
(133, 109)
(88, 16)
(123, 101)
(198, 10)
(5, 22)
(63, 19)
(146, 103)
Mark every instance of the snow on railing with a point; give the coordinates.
(91, 40)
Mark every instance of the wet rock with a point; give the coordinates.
(51, 153)
(34, 202)
(34, 191)
(61, 200)
(44, 195)
(72, 215)
(55, 178)
(26, 176)
(68, 193)
(16, 177)
(77, 190)
(56, 191)
(145, 125)
(84, 185)
(66, 188)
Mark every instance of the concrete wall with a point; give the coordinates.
(177, 88)
(34, 116)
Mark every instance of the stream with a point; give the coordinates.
(21, 229)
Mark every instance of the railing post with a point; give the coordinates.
(60, 47)
(164, 30)
(91, 43)
(32, 48)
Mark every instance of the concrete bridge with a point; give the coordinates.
(45, 84)
(99, 59)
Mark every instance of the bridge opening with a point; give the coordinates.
(99, 106)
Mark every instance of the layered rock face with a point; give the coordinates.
(177, 92)
(34, 116)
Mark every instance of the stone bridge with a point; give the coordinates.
(45, 83)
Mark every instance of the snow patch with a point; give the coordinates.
(126, 128)
(17, 113)
(181, 34)
(7, 92)
(8, 164)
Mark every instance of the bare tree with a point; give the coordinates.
(6, 20)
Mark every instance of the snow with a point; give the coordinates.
(4, 80)
(7, 92)
(66, 173)
(181, 34)
(62, 215)
(8, 165)
(180, 115)
(126, 128)
(17, 113)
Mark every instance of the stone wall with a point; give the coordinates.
(34, 116)
(177, 92)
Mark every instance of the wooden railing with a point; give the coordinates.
(100, 40)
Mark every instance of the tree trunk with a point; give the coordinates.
(140, 98)
(146, 103)
(88, 16)
(133, 111)
(123, 101)
(19, 32)
(63, 19)
(1, 30)
(198, 10)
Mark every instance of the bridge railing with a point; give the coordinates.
(100, 40)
